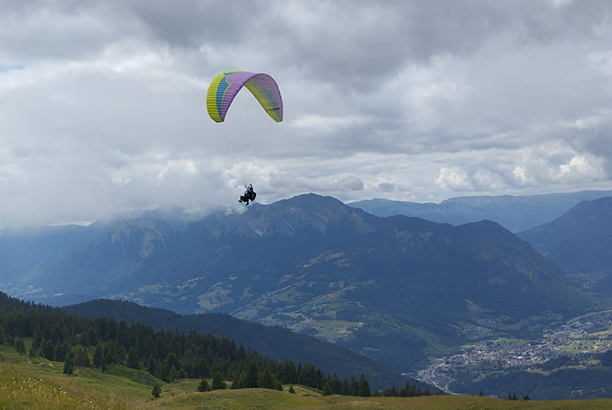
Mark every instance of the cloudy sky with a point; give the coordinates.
(103, 103)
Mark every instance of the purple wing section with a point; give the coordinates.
(262, 86)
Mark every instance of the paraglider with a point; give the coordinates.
(249, 195)
(224, 88)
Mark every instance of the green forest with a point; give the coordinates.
(169, 356)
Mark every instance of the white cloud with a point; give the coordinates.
(327, 125)
(453, 178)
(103, 107)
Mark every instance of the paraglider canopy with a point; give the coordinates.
(224, 88)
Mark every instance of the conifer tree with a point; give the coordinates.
(353, 387)
(336, 385)
(217, 382)
(346, 388)
(151, 365)
(251, 376)
(20, 346)
(69, 363)
(132, 361)
(98, 357)
(235, 382)
(47, 349)
(61, 350)
(37, 338)
(203, 386)
(173, 375)
(81, 358)
(327, 391)
(266, 380)
(364, 387)
(156, 392)
(291, 389)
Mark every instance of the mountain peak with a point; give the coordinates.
(310, 199)
(303, 211)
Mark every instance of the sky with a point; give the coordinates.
(103, 103)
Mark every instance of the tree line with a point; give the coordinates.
(169, 356)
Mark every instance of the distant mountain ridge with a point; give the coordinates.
(580, 242)
(391, 288)
(516, 213)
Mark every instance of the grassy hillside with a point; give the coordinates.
(34, 383)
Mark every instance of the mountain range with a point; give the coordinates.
(580, 243)
(396, 289)
(516, 213)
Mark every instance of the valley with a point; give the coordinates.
(575, 344)
(465, 308)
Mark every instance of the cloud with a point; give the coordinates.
(453, 178)
(102, 104)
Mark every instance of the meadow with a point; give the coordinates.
(35, 383)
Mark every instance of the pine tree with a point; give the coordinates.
(235, 382)
(203, 386)
(173, 374)
(327, 391)
(61, 350)
(47, 348)
(98, 358)
(132, 361)
(336, 385)
(151, 365)
(69, 363)
(354, 387)
(266, 380)
(156, 392)
(251, 376)
(291, 390)
(346, 388)
(37, 338)
(217, 382)
(81, 358)
(391, 392)
(364, 387)
(20, 346)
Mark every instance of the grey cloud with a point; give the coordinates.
(359, 43)
(192, 23)
(108, 111)
(386, 186)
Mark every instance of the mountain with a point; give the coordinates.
(21, 250)
(271, 341)
(516, 213)
(580, 242)
(395, 289)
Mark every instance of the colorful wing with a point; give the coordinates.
(224, 88)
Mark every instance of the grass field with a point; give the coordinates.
(33, 383)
